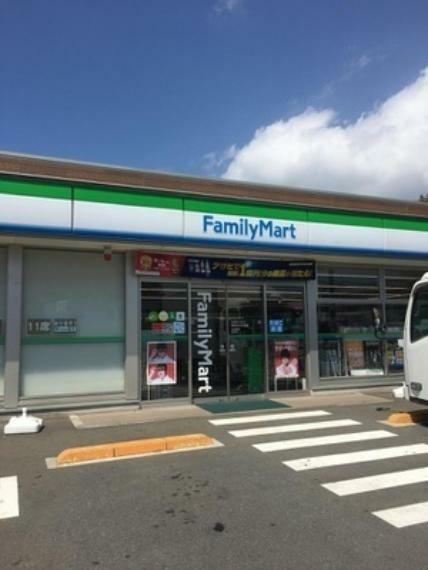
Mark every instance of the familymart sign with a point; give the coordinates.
(112, 213)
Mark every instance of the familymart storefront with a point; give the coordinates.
(121, 286)
(214, 327)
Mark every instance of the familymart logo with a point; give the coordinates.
(252, 230)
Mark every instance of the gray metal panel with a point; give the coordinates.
(13, 325)
(132, 331)
(311, 334)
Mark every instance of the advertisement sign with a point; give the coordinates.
(163, 265)
(158, 265)
(286, 359)
(354, 350)
(161, 363)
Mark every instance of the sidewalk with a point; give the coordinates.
(152, 413)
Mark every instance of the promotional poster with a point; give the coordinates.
(161, 363)
(286, 359)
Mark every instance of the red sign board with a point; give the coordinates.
(158, 264)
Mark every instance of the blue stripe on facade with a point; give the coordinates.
(137, 237)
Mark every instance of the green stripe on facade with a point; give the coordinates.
(345, 219)
(406, 224)
(153, 199)
(125, 198)
(31, 340)
(254, 210)
(34, 189)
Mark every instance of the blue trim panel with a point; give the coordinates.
(200, 241)
(38, 229)
(136, 237)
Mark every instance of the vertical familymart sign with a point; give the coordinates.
(222, 227)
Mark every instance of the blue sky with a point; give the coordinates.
(184, 85)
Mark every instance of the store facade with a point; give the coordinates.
(120, 286)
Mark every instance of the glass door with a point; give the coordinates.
(246, 340)
(285, 336)
(209, 341)
(243, 339)
(164, 340)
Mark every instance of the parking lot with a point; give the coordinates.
(312, 487)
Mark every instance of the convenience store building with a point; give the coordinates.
(120, 286)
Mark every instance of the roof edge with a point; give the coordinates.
(70, 171)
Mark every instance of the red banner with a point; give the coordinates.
(158, 264)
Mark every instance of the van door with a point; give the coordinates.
(416, 344)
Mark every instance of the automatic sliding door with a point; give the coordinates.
(209, 340)
(246, 340)
(164, 340)
(286, 336)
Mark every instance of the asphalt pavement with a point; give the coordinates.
(235, 506)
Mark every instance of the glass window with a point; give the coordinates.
(395, 315)
(394, 357)
(343, 282)
(347, 343)
(286, 337)
(164, 340)
(419, 316)
(399, 283)
(3, 271)
(73, 323)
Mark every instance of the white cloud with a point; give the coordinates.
(383, 153)
(224, 6)
(213, 161)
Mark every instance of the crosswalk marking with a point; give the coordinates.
(377, 482)
(293, 428)
(268, 418)
(324, 440)
(407, 515)
(356, 457)
(399, 517)
(9, 505)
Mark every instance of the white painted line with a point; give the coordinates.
(377, 482)
(268, 418)
(405, 516)
(324, 440)
(9, 502)
(356, 457)
(51, 462)
(76, 421)
(292, 428)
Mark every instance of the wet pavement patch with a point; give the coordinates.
(219, 527)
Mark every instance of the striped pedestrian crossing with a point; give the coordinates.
(323, 440)
(356, 457)
(377, 482)
(268, 418)
(399, 517)
(251, 432)
(9, 500)
(408, 515)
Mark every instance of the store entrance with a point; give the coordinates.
(221, 340)
(227, 340)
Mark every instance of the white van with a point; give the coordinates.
(415, 343)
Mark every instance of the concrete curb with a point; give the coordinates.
(134, 448)
(407, 418)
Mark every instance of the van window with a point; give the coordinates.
(419, 316)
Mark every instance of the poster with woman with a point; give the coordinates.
(286, 359)
(161, 363)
